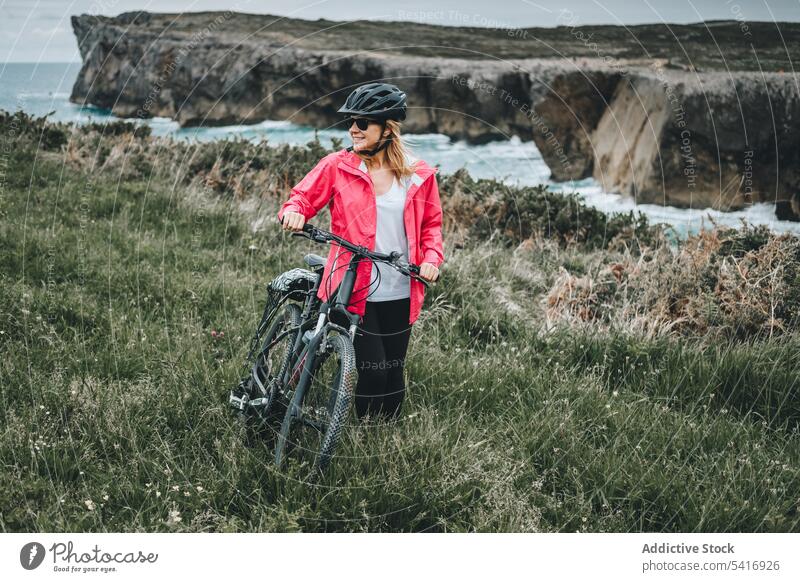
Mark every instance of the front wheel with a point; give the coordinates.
(316, 416)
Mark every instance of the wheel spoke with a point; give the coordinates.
(314, 433)
(259, 393)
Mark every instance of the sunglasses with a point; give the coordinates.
(362, 123)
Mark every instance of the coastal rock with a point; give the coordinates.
(652, 128)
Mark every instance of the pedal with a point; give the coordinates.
(238, 402)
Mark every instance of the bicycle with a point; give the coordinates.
(290, 367)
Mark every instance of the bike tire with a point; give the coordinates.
(269, 364)
(333, 389)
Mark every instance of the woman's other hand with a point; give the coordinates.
(429, 271)
(293, 221)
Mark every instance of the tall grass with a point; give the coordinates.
(114, 390)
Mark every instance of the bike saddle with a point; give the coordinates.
(314, 261)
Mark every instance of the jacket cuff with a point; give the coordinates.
(431, 256)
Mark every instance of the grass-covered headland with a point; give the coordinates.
(570, 371)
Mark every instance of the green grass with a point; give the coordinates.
(114, 392)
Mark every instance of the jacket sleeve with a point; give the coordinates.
(431, 228)
(313, 192)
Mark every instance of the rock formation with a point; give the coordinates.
(644, 125)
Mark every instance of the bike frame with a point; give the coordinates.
(304, 352)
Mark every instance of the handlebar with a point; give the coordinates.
(393, 259)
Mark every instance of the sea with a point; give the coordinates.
(44, 88)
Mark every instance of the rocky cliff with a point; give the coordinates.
(680, 131)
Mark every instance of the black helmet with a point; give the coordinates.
(376, 101)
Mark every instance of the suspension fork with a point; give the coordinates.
(304, 368)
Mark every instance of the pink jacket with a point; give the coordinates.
(341, 181)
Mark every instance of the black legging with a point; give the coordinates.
(380, 344)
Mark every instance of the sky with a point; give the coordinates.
(40, 30)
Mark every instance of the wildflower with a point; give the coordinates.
(174, 517)
(200, 489)
(105, 497)
(89, 504)
(158, 493)
(615, 393)
(187, 494)
(213, 333)
(176, 487)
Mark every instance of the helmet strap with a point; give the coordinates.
(383, 146)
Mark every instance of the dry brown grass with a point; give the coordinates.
(736, 283)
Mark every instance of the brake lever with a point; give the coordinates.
(414, 270)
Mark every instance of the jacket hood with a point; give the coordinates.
(423, 170)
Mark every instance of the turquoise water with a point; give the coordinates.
(43, 88)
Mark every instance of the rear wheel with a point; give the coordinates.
(315, 418)
(260, 390)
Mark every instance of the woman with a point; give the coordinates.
(383, 198)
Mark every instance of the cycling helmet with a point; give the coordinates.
(376, 101)
(380, 101)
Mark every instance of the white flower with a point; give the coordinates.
(174, 517)
(89, 504)
(105, 497)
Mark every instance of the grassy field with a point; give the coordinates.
(528, 408)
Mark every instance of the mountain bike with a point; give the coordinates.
(305, 370)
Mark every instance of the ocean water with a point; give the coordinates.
(45, 88)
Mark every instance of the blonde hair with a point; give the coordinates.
(396, 152)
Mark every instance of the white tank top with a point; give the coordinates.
(390, 235)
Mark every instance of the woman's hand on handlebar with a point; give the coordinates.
(293, 221)
(429, 271)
